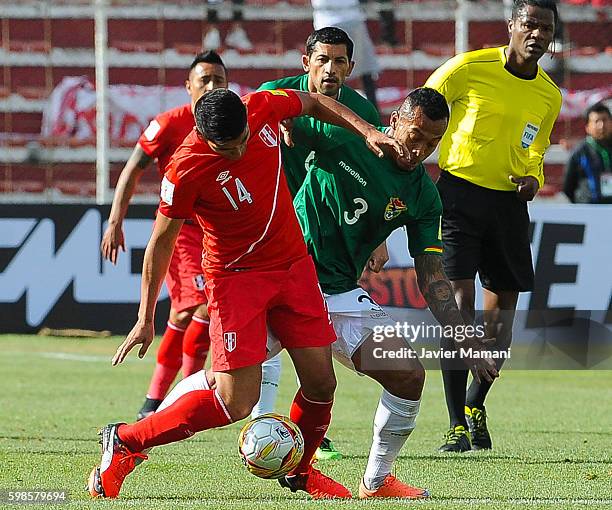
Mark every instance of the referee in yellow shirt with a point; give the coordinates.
(503, 107)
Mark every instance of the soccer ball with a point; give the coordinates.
(271, 445)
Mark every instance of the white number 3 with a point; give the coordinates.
(362, 207)
(243, 194)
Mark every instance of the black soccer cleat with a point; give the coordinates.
(477, 423)
(456, 440)
(149, 407)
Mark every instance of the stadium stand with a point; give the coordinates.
(151, 44)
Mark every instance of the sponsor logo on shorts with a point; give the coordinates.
(199, 282)
(268, 136)
(394, 208)
(379, 315)
(229, 341)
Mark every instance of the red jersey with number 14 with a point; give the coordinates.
(243, 206)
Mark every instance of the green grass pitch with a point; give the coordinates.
(552, 434)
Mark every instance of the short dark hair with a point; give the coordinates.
(520, 5)
(598, 107)
(207, 57)
(429, 100)
(329, 35)
(220, 115)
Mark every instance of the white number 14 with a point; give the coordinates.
(243, 194)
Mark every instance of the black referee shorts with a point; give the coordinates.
(485, 231)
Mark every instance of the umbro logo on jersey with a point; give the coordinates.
(268, 136)
(223, 177)
(229, 341)
(394, 208)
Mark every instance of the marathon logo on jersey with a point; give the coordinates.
(529, 134)
(394, 208)
(229, 341)
(167, 191)
(199, 282)
(268, 136)
(151, 132)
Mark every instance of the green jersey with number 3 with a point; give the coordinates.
(297, 159)
(351, 201)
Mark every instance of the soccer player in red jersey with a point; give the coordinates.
(186, 341)
(229, 173)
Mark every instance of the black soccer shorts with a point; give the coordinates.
(485, 231)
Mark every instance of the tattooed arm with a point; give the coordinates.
(437, 291)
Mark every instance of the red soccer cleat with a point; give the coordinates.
(392, 488)
(117, 462)
(316, 484)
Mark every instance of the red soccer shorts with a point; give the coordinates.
(242, 304)
(184, 279)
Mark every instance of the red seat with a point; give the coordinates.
(187, 49)
(29, 46)
(33, 92)
(139, 46)
(80, 188)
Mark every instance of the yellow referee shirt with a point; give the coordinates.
(499, 124)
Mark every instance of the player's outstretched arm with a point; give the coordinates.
(331, 111)
(154, 268)
(113, 239)
(438, 292)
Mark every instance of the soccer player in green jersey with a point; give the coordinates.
(348, 204)
(327, 63)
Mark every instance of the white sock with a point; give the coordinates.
(195, 381)
(270, 375)
(394, 421)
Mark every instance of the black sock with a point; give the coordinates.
(455, 379)
(477, 392)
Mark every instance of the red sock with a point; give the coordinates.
(171, 347)
(192, 365)
(196, 343)
(169, 360)
(312, 418)
(195, 411)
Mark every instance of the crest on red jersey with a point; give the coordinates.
(268, 136)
